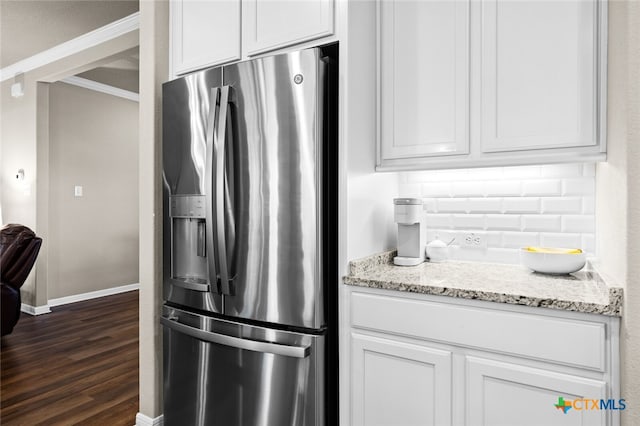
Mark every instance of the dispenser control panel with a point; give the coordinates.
(189, 206)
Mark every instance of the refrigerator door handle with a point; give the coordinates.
(236, 342)
(190, 284)
(220, 142)
(209, 188)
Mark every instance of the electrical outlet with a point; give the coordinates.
(474, 240)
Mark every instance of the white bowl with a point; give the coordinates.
(548, 260)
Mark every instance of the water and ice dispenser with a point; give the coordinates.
(412, 231)
(189, 253)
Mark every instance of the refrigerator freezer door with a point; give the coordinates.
(189, 118)
(276, 114)
(219, 372)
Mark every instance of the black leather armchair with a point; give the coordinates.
(19, 248)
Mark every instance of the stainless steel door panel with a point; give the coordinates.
(186, 105)
(187, 108)
(276, 108)
(219, 372)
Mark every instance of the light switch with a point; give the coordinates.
(78, 191)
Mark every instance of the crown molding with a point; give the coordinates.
(103, 88)
(93, 38)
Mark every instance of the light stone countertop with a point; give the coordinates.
(583, 291)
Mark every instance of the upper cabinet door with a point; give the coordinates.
(539, 74)
(272, 24)
(423, 65)
(204, 33)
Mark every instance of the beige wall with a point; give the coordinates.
(93, 239)
(631, 321)
(154, 67)
(24, 144)
(618, 191)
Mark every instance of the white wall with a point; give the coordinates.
(618, 191)
(370, 227)
(514, 207)
(24, 144)
(93, 239)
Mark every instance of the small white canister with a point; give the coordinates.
(437, 250)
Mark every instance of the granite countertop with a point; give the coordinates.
(583, 291)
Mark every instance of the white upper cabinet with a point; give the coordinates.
(490, 83)
(424, 78)
(204, 33)
(207, 33)
(538, 74)
(272, 24)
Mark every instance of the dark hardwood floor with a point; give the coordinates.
(76, 365)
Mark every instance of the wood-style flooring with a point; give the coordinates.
(75, 365)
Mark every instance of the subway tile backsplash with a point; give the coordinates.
(551, 205)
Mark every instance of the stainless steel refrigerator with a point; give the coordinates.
(249, 243)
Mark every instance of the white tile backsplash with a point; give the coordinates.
(452, 205)
(541, 187)
(550, 205)
(578, 223)
(561, 240)
(439, 221)
(468, 221)
(562, 205)
(503, 221)
(501, 188)
(468, 189)
(540, 222)
(485, 205)
(562, 170)
(521, 205)
(517, 240)
(581, 186)
(437, 189)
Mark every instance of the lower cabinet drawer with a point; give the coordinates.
(546, 338)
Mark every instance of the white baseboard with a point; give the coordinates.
(34, 310)
(142, 420)
(93, 294)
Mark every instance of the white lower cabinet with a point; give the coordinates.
(500, 393)
(429, 360)
(400, 383)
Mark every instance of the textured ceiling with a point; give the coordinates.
(28, 27)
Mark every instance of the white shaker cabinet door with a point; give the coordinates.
(539, 74)
(204, 33)
(507, 394)
(397, 383)
(272, 24)
(423, 78)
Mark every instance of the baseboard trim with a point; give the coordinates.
(142, 420)
(93, 295)
(34, 310)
